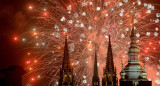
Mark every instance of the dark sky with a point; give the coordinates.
(14, 20)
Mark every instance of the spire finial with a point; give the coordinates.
(109, 42)
(65, 39)
(133, 36)
(144, 67)
(66, 59)
(109, 38)
(132, 19)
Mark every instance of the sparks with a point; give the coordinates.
(30, 7)
(88, 23)
(15, 38)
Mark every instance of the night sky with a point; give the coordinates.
(14, 20)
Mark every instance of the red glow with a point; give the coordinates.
(30, 7)
(30, 68)
(32, 79)
(28, 62)
(15, 38)
(72, 64)
(145, 51)
(35, 61)
(28, 53)
(64, 33)
(35, 33)
(139, 16)
(45, 13)
(59, 47)
(150, 43)
(146, 12)
(104, 11)
(95, 18)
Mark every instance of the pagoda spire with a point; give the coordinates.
(133, 50)
(109, 60)
(66, 59)
(95, 78)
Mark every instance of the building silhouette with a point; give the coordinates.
(66, 72)
(109, 72)
(95, 78)
(133, 74)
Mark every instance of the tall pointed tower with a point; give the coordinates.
(66, 72)
(133, 74)
(95, 78)
(109, 75)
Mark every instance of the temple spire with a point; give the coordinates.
(66, 70)
(109, 60)
(66, 59)
(95, 78)
(109, 75)
(95, 66)
(133, 50)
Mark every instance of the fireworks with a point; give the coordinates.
(88, 23)
(15, 38)
(30, 7)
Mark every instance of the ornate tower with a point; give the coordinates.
(133, 74)
(66, 72)
(109, 75)
(95, 78)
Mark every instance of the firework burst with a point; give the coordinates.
(89, 22)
